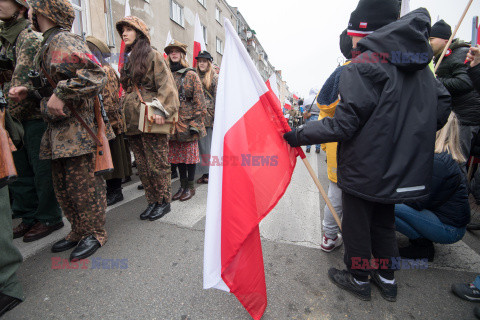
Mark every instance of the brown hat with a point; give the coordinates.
(60, 12)
(135, 23)
(102, 46)
(23, 3)
(175, 44)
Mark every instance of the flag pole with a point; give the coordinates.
(319, 186)
(453, 36)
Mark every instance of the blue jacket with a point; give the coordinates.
(449, 196)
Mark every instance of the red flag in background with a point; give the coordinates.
(288, 106)
(257, 166)
(169, 39)
(198, 40)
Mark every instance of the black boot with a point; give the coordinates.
(420, 248)
(114, 197)
(85, 248)
(145, 214)
(159, 211)
(345, 280)
(7, 303)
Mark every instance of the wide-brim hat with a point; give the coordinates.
(204, 55)
(102, 46)
(175, 44)
(135, 23)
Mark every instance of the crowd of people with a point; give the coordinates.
(52, 80)
(397, 135)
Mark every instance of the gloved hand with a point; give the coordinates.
(291, 138)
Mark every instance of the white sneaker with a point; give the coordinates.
(328, 244)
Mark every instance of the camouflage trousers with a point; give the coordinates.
(151, 155)
(81, 195)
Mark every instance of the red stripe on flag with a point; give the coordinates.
(262, 180)
(197, 47)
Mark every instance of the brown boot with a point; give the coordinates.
(189, 192)
(183, 186)
(21, 230)
(41, 230)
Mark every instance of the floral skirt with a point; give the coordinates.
(183, 152)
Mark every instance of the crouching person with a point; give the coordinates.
(444, 215)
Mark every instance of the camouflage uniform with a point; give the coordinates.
(150, 150)
(68, 61)
(32, 193)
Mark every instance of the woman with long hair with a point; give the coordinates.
(146, 76)
(209, 79)
(442, 218)
(111, 102)
(184, 152)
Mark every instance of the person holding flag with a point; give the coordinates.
(145, 76)
(387, 117)
(209, 79)
(190, 128)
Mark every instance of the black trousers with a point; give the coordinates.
(368, 228)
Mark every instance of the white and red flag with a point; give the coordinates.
(198, 40)
(169, 39)
(257, 166)
(272, 84)
(121, 58)
(288, 106)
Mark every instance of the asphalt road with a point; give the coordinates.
(153, 270)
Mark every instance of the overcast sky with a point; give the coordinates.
(301, 36)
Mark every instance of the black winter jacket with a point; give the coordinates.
(448, 199)
(387, 116)
(474, 74)
(452, 73)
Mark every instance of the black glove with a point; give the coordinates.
(291, 138)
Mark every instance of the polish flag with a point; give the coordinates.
(288, 106)
(295, 96)
(169, 39)
(274, 88)
(242, 190)
(121, 60)
(198, 40)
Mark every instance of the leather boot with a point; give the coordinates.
(189, 192)
(63, 245)
(418, 249)
(85, 248)
(183, 186)
(146, 213)
(114, 197)
(21, 230)
(159, 211)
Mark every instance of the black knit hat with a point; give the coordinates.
(441, 30)
(371, 15)
(204, 55)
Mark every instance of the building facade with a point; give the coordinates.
(98, 18)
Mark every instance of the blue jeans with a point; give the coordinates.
(425, 224)
(314, 117)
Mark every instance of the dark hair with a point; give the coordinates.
(137, 61)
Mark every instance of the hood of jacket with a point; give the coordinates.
(311, 97)
(404, 42)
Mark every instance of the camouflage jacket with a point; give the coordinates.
(192, 110)
(111, 101)
(24, 45)
(69, 62)
(157, 83)
(210, 100)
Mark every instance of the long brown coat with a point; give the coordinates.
(193, 110)
(157, 83)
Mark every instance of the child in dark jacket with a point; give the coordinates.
(443, 216)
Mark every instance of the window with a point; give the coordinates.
(219, 46)
(217, 14)
(176, 13)
(80, 24)
(203, 3)
(204, 32)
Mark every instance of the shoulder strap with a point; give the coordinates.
(207, 92)
(181, 92)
